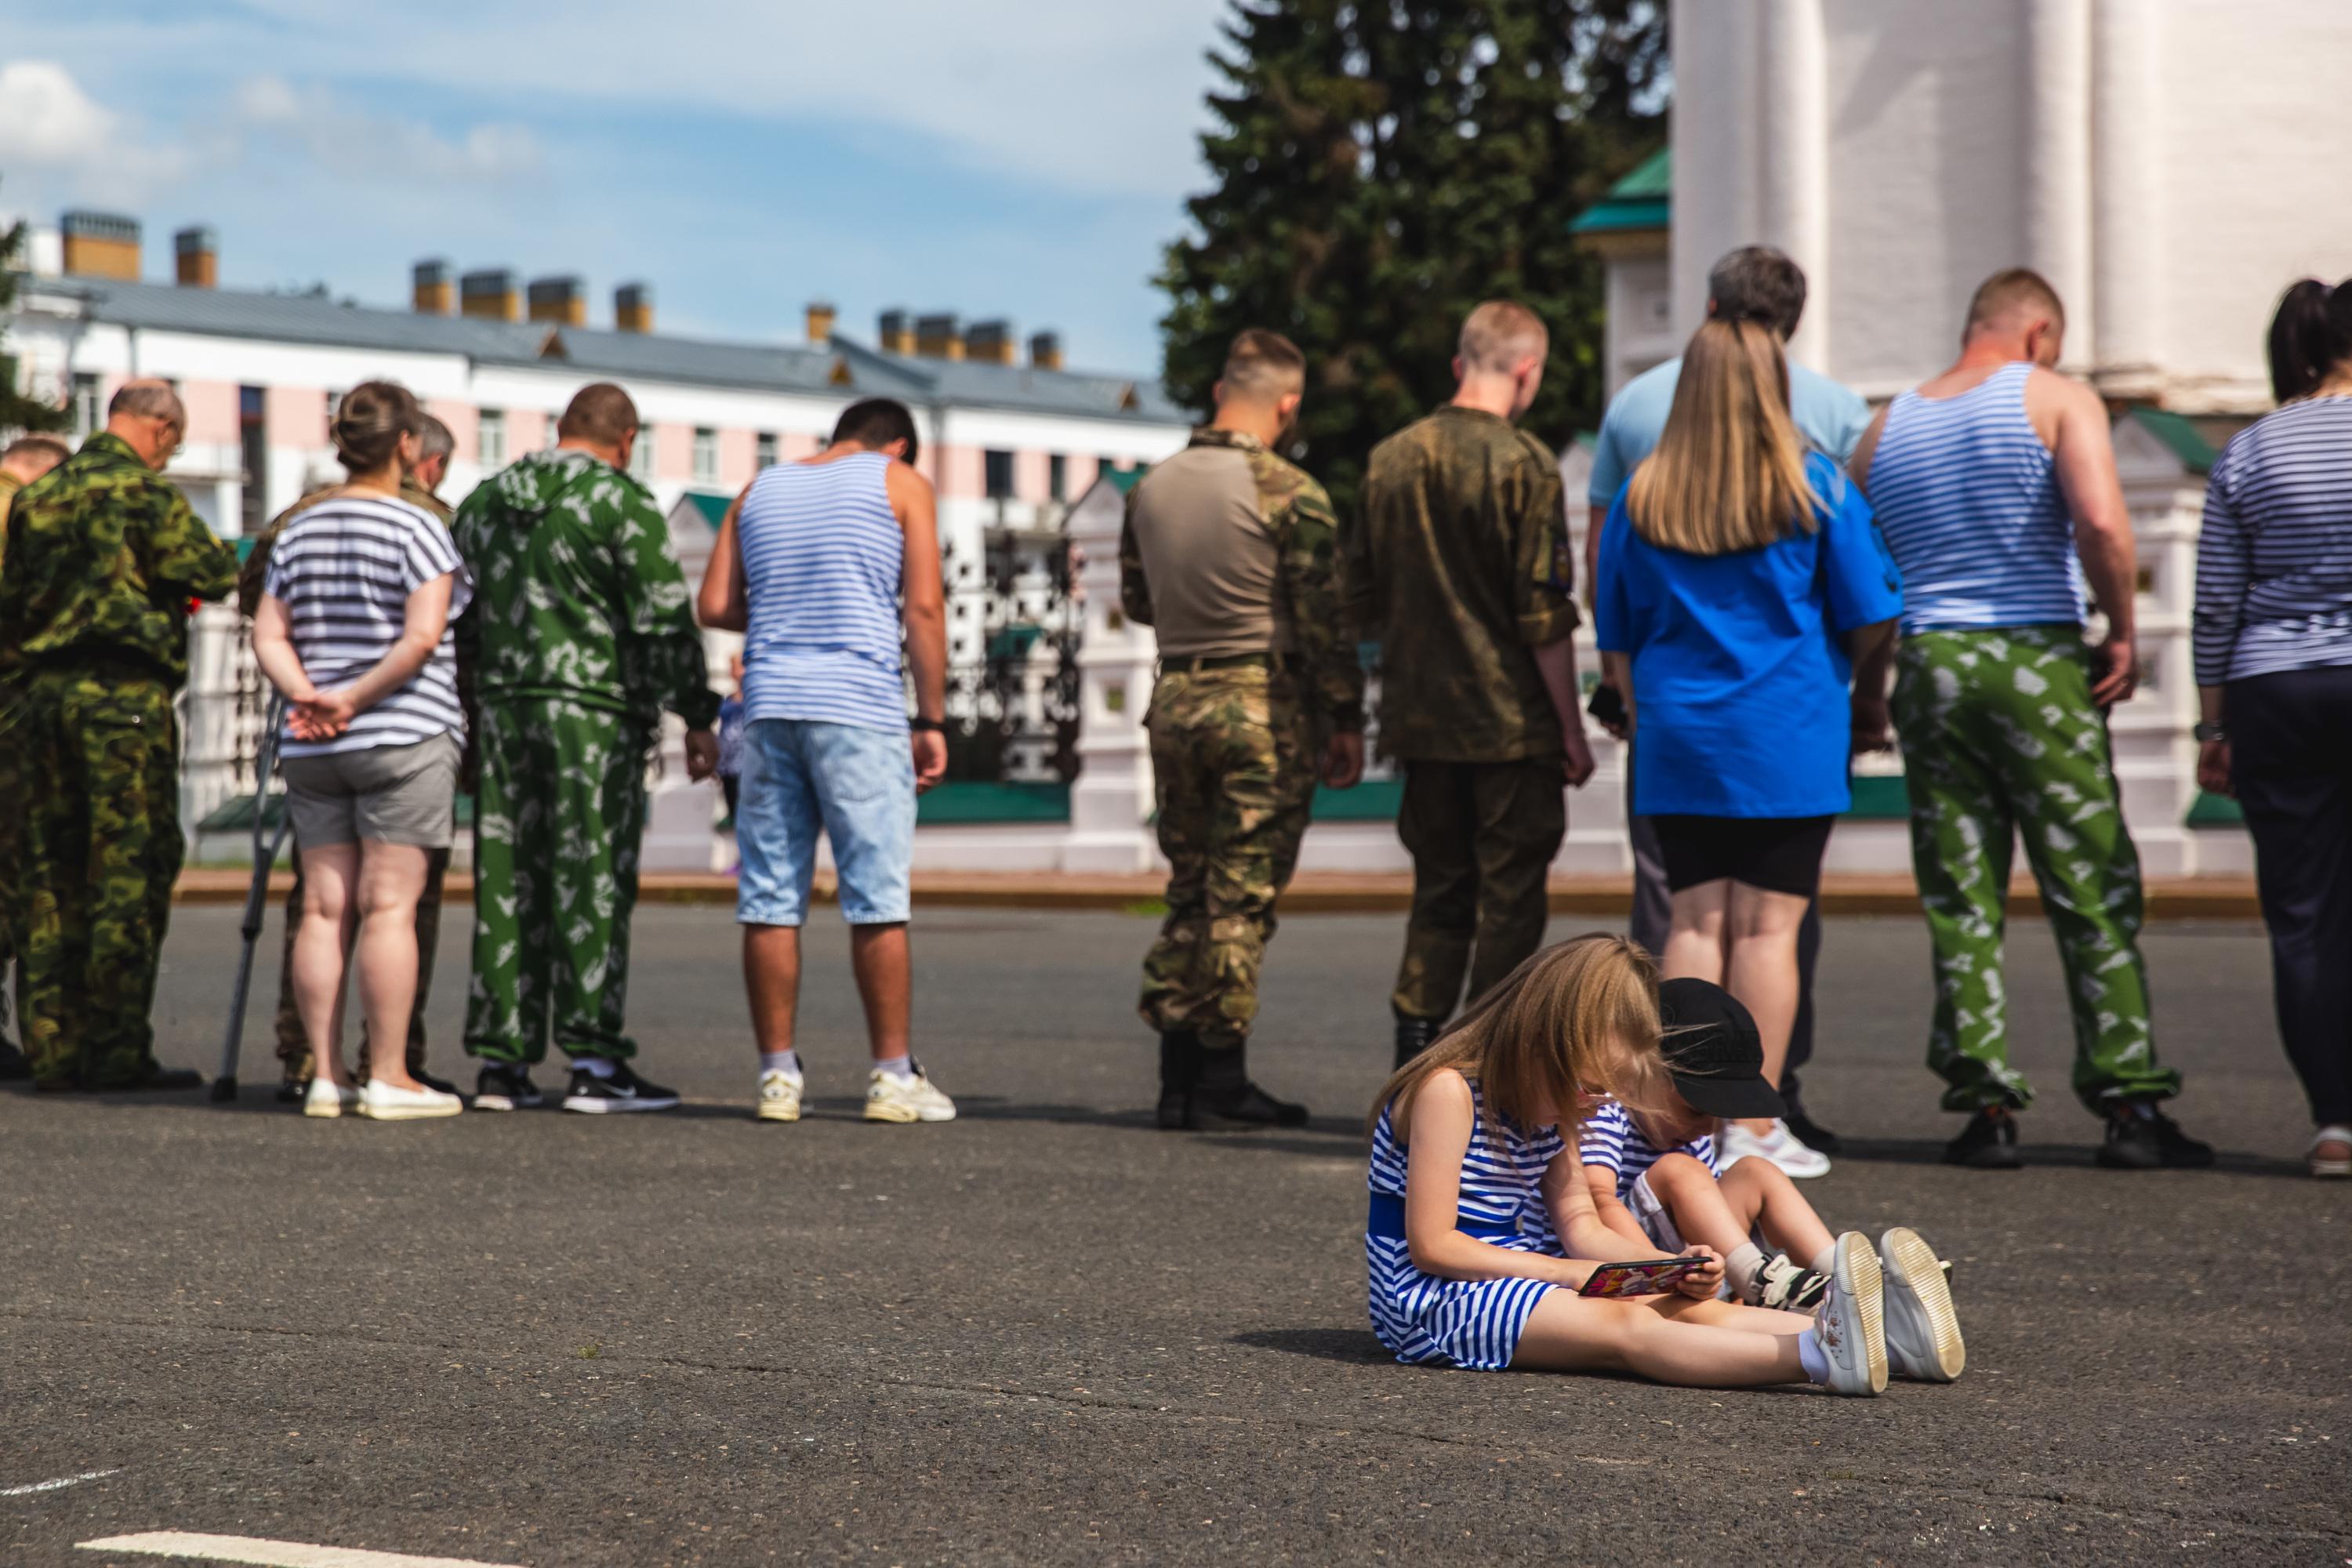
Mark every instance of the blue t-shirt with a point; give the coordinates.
(1829, 415)
(1740, 670)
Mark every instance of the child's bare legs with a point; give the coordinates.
(1695, 1345)
(1702, 1211)
(1762, 1191)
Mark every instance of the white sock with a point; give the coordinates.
(1825, 1265)
(1739, 1269)
(595, 1067)
(781, 1061)
(897, 1066)
(1812, 1357)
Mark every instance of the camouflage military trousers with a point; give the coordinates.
(1234, 764)
(97, 848)
(1482, 836)
(557, 820)
(1999, 735)
(293, 1045)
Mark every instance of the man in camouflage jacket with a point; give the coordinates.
(1231, 553)
(103, 556)
(27, 459)
(580, 633)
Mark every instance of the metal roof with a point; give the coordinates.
(1642, 199)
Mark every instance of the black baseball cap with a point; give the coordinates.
(1714, 1051)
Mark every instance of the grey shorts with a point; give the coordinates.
(391, 794)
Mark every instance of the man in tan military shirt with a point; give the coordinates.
(1231, 555)
(1459, 566)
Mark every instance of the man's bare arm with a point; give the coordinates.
(2086, 457)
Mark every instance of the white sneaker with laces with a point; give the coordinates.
(382, 1103)
(1780, 1146)
(780, 1096)
(1851, 1325)
(889, 1098)
(325, 1099)
(1923, 1332)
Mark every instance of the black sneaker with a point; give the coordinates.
(623, 1090)
(2142, 1138)
(293, 1090)
(438, 1086)
(499, 1087)
(1414, 1036)
(1811, 1133)
(1988, 1142)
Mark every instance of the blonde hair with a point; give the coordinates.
(1499, 334)
(1728, 473)
(1580, 1017)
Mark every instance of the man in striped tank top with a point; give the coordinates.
(1995, 486)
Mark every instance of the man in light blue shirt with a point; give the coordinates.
(1759, 284)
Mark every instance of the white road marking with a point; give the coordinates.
(271, 1553)
(58, 1485)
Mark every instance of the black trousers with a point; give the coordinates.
(2291, 762)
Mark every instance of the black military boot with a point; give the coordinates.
(1414, 1036)
(1180, 1070)
(1223, 1095)
(14, 1068)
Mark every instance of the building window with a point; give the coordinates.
(1000, 475)
(493, 438)
(706, 454)
(641, 456)
(763, 449)
(253, 455)
(85, 404)
(1057, 477)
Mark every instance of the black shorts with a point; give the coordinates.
(1777, 854)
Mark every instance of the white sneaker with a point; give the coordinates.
(780, 1096)
(889, 1098)
(1851, 1326)
(1923, 1332)
(1780, 1146)
(325, 1099)
(382, 1103)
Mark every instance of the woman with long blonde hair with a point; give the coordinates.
(1741, 579)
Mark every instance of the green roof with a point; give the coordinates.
(1123, 479)
(1643, 199)
(713, 507)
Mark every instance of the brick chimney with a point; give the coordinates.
(632, 307)
(196, 255)
(990, 342)
(433, 293)
(820, 323)
(559, 299)
(1045, 351)
(938, 337)
(100, 245)
(896, 334)
(490, 294)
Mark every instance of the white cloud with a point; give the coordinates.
(344, 139)
(51, 128)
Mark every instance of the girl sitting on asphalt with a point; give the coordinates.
(1482, 1228)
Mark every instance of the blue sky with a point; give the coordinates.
(1024, 161)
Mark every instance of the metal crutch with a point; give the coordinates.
(267, 843)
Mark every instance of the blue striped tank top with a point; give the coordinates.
(1968, 500)
(823, 560)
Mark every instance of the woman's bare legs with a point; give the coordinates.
(1695, 1345)
(1694, 938)
(1760, 969)
(391, 881)
(1759, 1188)
(321, 943)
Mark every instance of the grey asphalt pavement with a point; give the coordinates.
(1047, 1333)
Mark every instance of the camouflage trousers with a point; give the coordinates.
(559, 818)
(1999, 737)
(95, 798)
(1232, 756)
(1482, 836)
(293, 1045)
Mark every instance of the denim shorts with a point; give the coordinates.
(857, 785)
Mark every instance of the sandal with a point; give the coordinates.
(2331, 1166)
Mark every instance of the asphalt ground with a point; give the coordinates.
(1048, 1334)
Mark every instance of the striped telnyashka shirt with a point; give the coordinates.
(1968, 500)
(345, 570)
(823, 556)
(2274, 559)
(1613, 1140)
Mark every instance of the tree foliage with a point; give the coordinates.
(17, 412)
(1381, 168)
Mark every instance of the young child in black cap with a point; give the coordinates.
(1655, 1182)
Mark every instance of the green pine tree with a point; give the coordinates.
(1380, 169)
(17, 412)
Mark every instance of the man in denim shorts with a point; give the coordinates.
(811, 562)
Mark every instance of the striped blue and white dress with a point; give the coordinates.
(824, 557)
(1473, 1323)
(1611, 1139)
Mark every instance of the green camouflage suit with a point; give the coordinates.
(1459, 566)
(293, 1044)
(580, 633)
(103, 556)
(1235, 743)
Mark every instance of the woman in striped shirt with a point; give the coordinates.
(2273, 648)
(353, 630)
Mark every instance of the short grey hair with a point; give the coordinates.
(1757, 283)
(151, 399)
(433, 439)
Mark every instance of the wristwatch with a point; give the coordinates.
(937, 726)
(2210, 730)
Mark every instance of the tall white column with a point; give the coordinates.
(2127, 234)
(1793, 130)
(1715, 175)
(2057, 157)
(1111, 804)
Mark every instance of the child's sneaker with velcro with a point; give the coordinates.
(1786, 1285)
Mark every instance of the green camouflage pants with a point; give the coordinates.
(1232, 756)
(1482, 836)
(557, 820)
(293, 1045)
(99, 847)
(1999, 733)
